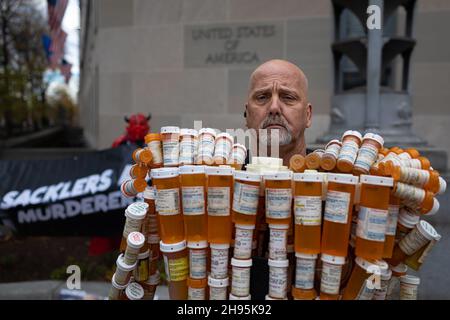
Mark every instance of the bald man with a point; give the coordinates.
(278, 100)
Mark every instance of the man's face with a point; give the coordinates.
(278, 101)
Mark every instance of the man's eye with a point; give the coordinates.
(261, 97)
(289, 98)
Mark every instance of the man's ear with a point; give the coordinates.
(309, 115)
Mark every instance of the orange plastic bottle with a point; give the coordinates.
(338, 214)
(177, 269)
(351, 140)
(308, 212)
(206, 141)
(416, 198)
(314, 159)
(167, 184)
(170, 137)
(245, 197)
(238, 155)
(188, 138)
(219, 200)
(193, 200)
(372, 216)
(153, 142)
(426, 179)
(278, 194)
(356, 288)
(419, 163)
(222, 148)
(131, 188)
(417, 238)
(138, 171)
(368, 153)
(329, 158)
(297, 163)
(142, 156)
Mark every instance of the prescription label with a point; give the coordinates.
(193, 200)
(176, 269)
(304, 273)
(278, 203)
(308, 210)
(219, 201)
(245, 199)
(337, 206)
(331, 278)
(197, 264)
(349, 151)
(167, 201)
(391, 225)
(171, 151)
(372, 224)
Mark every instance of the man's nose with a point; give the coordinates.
(275, 106)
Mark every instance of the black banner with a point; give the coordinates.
(75, 196)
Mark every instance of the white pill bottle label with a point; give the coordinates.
(308, 210)
(336, 206)
(245, 199)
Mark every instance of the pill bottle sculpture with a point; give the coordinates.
(345, 222)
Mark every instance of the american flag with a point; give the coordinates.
(58, 37)
(66, 68)
(56, 10)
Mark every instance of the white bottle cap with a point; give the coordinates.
(442, 185)
(306, 256)
(191, 169)
(116, 285)
(219, 246)
(410, 279)
(226, 136)
(219, 171)
(342, 178)
(172, 247)
(137, 210)
(376, 180)
(245, 226)
(241, 263)
(374, 136)
(336, 141)
(134, 291)
(400, 268)
(332, 259)
(208, 130)
(427, 230)
(170, 129)
(197, 244)
(241, 146)
(164, 173)
(352, 132)
(407, 218)
(387, 275)
(247, 176)
(135, 240)
(309, 177)
(280, 175)
(188, 132)
(123, 266)
(434, 209)
(143, 255)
